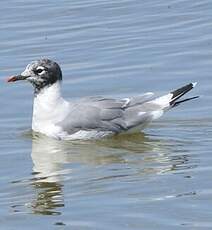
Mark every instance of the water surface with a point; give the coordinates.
(158, 179)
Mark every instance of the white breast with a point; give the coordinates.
(49, 108)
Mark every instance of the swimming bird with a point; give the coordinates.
(91, 117)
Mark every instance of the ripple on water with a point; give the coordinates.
(159, 179)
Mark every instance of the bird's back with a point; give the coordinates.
(106, 114)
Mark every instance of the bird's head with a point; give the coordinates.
(40, 73)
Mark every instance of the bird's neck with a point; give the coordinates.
(48, 96)
(48, 107)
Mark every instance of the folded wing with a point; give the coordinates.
(103, 114)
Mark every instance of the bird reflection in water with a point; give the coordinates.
(147, 155)
(48, 199)
(48, 160)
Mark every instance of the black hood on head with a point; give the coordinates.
(41, 73)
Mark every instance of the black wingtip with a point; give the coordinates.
(180, 92)
(176, 103)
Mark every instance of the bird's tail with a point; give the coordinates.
(138, 116)
(177, 94)
(171, 99)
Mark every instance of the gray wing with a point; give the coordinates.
(103, 114)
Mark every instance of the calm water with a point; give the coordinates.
(159, 179)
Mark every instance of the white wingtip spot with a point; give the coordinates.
(194, 84)
(141, 113)
(127, 101)
(149, 93)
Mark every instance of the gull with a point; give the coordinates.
(90, 117)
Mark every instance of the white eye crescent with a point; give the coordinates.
(40, 70)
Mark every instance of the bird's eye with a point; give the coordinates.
(40, 70)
